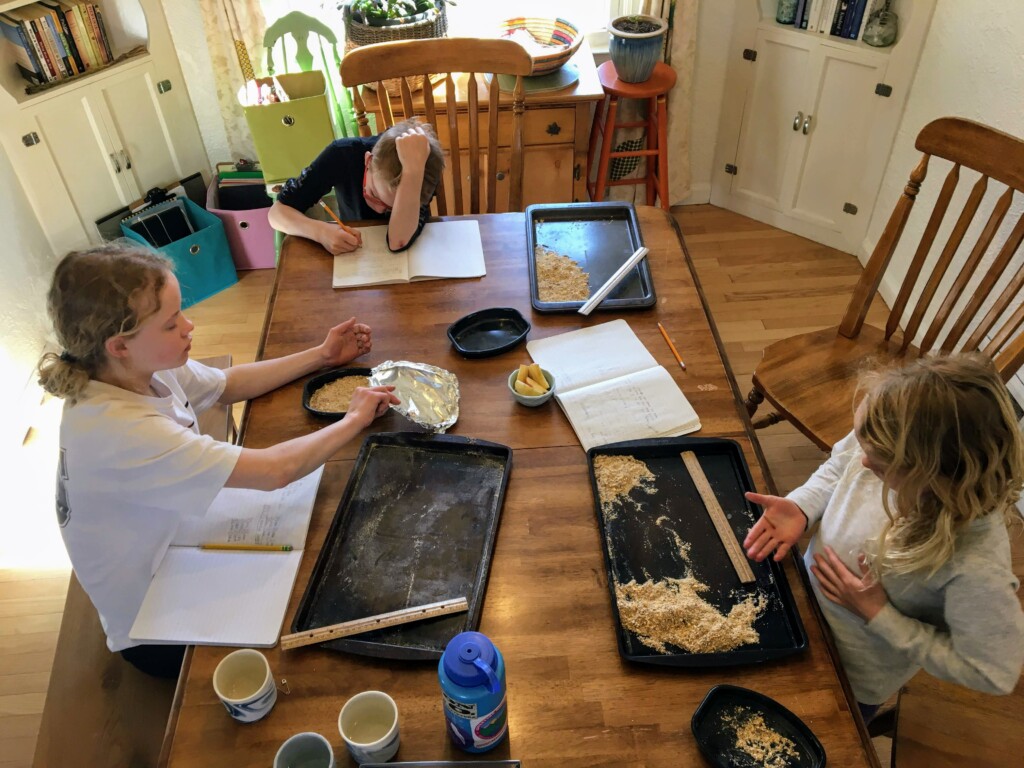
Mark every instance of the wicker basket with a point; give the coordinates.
(433, 24)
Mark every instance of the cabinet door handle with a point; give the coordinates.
(796, 121)
(807, 125)
(127, 160)
(116, 162)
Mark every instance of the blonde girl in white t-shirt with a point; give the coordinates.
(911, 560)
(132, 461)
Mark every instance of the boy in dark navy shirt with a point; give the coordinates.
(391, 176)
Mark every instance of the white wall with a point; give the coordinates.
(28, 264)
(970, 67)
(714, 27)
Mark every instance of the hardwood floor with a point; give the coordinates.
(762, 284)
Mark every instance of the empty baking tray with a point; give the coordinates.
(415, 525)
(643, 539)
(600, 237)
(714, 727)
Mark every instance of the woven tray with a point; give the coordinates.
(435, 24)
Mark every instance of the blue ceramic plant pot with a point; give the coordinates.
(634, 53)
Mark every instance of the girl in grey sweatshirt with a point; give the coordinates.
(911, 560)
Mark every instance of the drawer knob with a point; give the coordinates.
(554, 129)
(500, 175)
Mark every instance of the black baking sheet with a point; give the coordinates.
(637, 547)
(416, 525)
(600, 237)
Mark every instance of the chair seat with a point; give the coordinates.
(815, 375)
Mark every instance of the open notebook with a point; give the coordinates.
(210, 597)
(611, 388)
(444, 249)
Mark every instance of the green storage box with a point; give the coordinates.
(289, 134)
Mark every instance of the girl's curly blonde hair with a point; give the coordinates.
(946, 431)
(96, 294)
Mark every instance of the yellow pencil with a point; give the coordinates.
(249, 547)
(334, 216)
(672, 346)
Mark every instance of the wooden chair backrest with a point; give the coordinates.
(402, 60)
(993, 321)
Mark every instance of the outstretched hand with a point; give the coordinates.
(370, 402)
(345, 342)
(778, 529)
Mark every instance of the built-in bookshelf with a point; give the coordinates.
(66, 42)
(820, 17)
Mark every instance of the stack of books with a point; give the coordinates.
(241, 187)
(52, 41)
(841, 18)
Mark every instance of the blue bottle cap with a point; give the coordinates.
(469, 660)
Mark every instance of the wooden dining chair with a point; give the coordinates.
(471, 138)
(811, 379)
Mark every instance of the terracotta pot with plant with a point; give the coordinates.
(636, 43)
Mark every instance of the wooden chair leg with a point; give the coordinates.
(767, 421)
(606, 148)
(662, 158)
(754, 399)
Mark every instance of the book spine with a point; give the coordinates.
(37, 46)
(94, 33)
(813, 11)
(23, 51)
(804, 15)
(103, 34)
(851, 13)
(53, 21)
(52, 44)
(869, 8)
(825, 19)
(44, 46)
(840, 17)
(69, 39)
(798, 14)
(83, 32)
(71, 17)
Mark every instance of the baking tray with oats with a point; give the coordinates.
(676, 597)
(573, 248)
(415, 525)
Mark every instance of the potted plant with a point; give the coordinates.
(636, 43)
(389, 13)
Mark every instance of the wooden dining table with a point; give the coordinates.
(572, 699)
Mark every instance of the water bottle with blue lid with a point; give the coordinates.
(472, 675)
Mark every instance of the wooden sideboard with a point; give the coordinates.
(556, 134)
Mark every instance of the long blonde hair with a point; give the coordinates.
(96, 294)
(946, 431)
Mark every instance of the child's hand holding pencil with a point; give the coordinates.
(340, 239)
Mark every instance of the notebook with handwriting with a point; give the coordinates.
(444, 249)
(210, 597)
(611, 387)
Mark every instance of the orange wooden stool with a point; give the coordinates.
(655, 90)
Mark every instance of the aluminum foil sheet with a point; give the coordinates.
(429, 395)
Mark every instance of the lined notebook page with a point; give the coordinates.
(208, 597)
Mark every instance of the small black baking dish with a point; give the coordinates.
(488, 332)
(327, 377)
(714, 725)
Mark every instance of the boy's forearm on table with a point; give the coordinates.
(290, 221)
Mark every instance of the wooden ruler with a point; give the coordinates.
(381, 620)
(717, 514)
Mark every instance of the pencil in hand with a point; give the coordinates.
(341, 223)
(672, 346)
(248, 547)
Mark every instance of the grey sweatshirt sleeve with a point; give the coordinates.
(983, 647)
(813, 496)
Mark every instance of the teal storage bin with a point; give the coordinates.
(202, 257)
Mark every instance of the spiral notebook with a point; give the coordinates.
(161, 224)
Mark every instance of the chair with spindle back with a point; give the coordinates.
(409, 61)
(810, 379)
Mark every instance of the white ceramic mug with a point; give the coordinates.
(244, 684)
(369, 725)
(308, 750)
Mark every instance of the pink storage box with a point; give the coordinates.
(250, 236)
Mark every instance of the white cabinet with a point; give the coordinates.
(808, 122)
(91, 145)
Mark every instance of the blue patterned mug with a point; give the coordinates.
(369, 725)
(244, 685)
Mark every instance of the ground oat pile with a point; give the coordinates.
(559, 278)
(671, 611)
(765, 746)
(335, 396)
(617, 476)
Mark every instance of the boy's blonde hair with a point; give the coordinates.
(96, 294)
(387, 164)
(947, 433)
